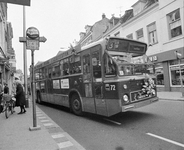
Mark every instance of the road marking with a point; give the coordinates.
(118, 123)
(167, 140)
(65, 144)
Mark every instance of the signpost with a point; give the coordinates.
(32, 41)
(18, 2)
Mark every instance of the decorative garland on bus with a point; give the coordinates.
(148, 87)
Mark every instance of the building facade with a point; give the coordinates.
(96, 31)
(161, 25)
(7, 54)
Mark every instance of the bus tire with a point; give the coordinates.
(76, 105)
(39, 100)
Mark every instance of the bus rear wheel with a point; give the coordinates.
(76, 105)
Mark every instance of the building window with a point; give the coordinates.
(152, 37)
(140, 35)
(117, 34)
(174, 23)
(130, 36)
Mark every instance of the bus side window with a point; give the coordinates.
(61, 67)
(96, 63)
(50, 72)
(65, 67)
(86, 64)
(110, 67)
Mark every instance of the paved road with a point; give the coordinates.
(159, 126)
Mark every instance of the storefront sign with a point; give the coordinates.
(153, 58)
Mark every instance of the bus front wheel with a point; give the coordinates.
(76, 105)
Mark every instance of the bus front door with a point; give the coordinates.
(96, 58)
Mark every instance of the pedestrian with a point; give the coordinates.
(20, 97)
(6, 88)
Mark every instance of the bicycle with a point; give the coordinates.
(8, 104)
(9, 107)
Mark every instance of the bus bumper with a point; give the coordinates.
(139, 104)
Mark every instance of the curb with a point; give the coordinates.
(171, 99)
(63, 140)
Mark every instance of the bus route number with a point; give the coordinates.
(110, 87)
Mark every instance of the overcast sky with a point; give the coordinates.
(60, 21)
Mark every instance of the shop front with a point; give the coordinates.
(169, 68)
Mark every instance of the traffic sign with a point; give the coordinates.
(32, 44)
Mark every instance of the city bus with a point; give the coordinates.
(106, 77)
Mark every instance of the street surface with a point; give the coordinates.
(159, 126)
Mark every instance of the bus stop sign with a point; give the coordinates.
(32, 33)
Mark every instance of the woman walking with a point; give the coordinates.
(20, 97)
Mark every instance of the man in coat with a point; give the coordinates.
(20, 97)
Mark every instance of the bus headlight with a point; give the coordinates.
(125, 86)
(153, 92)
(125, 98)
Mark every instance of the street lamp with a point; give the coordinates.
(179, 56)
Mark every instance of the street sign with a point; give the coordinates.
(32, 33)
(19, 2)
(42, 39)
(32, 44)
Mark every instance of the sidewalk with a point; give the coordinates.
(173, 96)
(15, 133)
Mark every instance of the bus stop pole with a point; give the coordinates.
(33, 91)
(35, 126)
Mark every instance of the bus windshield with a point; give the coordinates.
(135, 69)
(128, 65)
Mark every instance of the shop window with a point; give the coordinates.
(174, 23)
(152, 33)
(159, 74)
(175, 73)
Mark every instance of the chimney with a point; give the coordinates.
(103, 16)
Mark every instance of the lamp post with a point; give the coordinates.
(25, 58)
(178, 56)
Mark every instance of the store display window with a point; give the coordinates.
(159, 74)
(175, 68)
